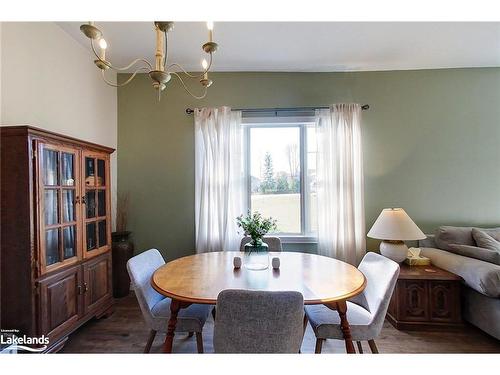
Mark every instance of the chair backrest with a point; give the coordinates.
(140, 269)
(274, 243)
(258, 322)
(381, 276)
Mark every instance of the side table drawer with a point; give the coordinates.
(444, 301)
(414, 305)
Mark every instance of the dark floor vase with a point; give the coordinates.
(123, 249)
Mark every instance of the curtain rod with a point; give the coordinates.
(364, 107)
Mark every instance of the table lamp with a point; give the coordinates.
(394, 226)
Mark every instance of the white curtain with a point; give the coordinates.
(341, 216)
(219, 178)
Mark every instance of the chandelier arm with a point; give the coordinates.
(124, 83)
(122, 68)
(187, 90)
(192, 75)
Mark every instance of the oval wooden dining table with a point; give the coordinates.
(200, 278)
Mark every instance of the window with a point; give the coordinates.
(281, 171)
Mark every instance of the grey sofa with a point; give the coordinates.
(481, 291)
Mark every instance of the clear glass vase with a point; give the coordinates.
(256, 257)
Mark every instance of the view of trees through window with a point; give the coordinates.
(283, 181)
(275, 172)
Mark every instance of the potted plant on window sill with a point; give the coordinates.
(256, 251)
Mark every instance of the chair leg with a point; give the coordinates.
(151, 338)
(190, 334)
(360, 348)
(319, 345)
(373, 347)
(199, 342)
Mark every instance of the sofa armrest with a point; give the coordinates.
(481, 276)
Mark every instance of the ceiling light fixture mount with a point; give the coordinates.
(161, 72)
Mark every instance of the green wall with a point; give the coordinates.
(431, 144)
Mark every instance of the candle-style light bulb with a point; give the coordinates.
(210, 27)
(103, 44)
(204, 64)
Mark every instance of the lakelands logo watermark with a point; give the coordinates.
(12, 339)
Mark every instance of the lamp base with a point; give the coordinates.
(395, 250)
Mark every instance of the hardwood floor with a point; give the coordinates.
(125, 332)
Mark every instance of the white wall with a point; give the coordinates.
(48, 80)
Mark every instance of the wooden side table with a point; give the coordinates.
(425, 297)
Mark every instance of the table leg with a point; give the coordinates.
(175, 306)
(341, 307)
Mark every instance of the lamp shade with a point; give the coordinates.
(395, 224)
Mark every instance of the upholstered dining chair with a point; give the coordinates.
(258, 322)
(155, 307)
(274, 243)
(365, 312)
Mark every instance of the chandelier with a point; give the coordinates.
(160, 73)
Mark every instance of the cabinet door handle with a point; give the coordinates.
(77, 200)
(85, 288)
(80, 290)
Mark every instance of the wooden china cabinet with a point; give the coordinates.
(55, 233)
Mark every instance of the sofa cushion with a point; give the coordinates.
(486, 241)
(481, 276)
(430, 241)
(448, 235)
(476, 252)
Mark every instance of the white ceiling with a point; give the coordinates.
(309, 46)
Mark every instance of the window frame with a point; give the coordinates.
(302, 123)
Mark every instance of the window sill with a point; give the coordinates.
(298, 239)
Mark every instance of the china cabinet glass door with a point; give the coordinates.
(97, 233)
(59, 192)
